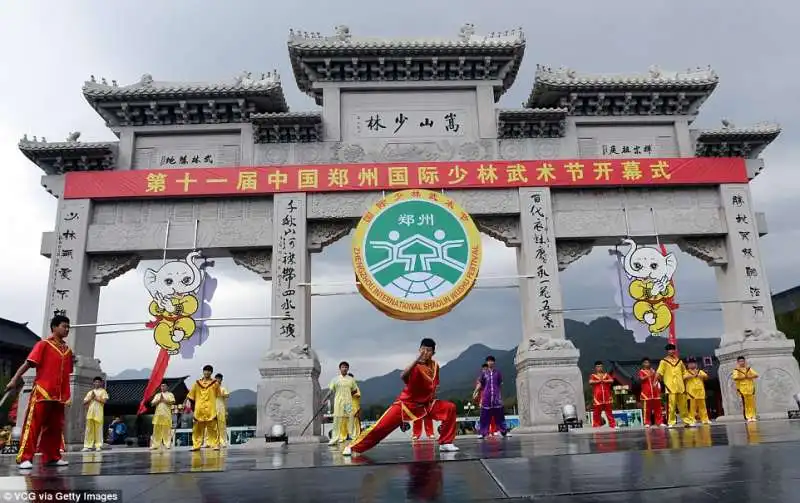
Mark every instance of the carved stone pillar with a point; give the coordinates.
(547, 364)
(289, 391)
(70, 292)
(748, 317)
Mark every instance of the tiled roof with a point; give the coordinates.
(147, 88)
(730, 141)
(129, 392)
(283, 117)
(17, 334)
(42, 146)
(764, 131)
(55, 158)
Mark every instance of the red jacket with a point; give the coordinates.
(419, 394)
(651, 388)
(53, 363)
(601, 388)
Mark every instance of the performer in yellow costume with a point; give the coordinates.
(671, 370)
(355, 426)
(343, 388)
(162, 418)
(204, 394)
(94, 402)
(222, 412)
(696, 390)
(745, 379)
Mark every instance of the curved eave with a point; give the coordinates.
(301, 52)
(94, 93)
(747, 143)
(287, 118)
(48, 156)
(532, 113)
(547, 92)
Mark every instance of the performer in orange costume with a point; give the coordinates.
(601, 382)
(651, 394)
(52, 359)
(417, 400)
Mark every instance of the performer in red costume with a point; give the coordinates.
(416, 401)
(417, 428)
(52, 359)
(650, 395)
(601, 382)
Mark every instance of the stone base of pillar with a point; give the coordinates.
(779, 375)
(289, 395)
(547, 379)
(83, 373)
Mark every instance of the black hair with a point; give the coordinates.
(344, 363)
(218, 376)
(351, 375)
(691, 360)
(669, 347)
(740, 358)
(598, 362)
(490, 358)
(98, 378)
(485, 365)
(209, 368)
(58, 320)
(427, 343)
(645, 359)
(163, 383)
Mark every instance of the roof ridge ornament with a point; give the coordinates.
(73, 137)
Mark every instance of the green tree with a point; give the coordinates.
(789, 324)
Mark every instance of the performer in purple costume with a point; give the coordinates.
(488, 388)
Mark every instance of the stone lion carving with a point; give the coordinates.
(466, 32)
(544, 343)
(342, 33)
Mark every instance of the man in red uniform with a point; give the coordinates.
(650, 395)
(44, 418)
(416, 401)
(601, 382)
(417, 428)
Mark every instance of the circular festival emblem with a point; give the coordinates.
(416, 254)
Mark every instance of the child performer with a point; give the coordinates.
(601, 382)
(204, 394)
(162, 418)
(355, 427)
(670, 371)
(488, 388)
(52, 359)
(492, 425)
(94, 402)
(343, 387)
(417, 400)
(651, 394)
(222, 412)
(696, 390)
(745, 379)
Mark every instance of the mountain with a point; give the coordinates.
(602, 339)
(241, 397)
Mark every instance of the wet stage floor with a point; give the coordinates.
(758, 462)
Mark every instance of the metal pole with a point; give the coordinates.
(655, 227)
(194, 243)
(166, 243)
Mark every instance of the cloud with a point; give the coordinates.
(183, 42)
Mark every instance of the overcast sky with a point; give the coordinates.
(49, 48)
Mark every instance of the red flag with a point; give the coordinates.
(156, 376)
(672, 338)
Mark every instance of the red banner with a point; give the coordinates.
(399, 176)
(156, 376)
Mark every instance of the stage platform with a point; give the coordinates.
(738, 462)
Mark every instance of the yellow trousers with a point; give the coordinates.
(222, 430)
(162, 435)
(93, 437)
(340, 427)
(697, 407)
(207, 429)
(677, 401)
(749, 406)
(355, 427)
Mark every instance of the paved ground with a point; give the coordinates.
(731, 463)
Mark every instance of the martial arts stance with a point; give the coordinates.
(696, 391)
(671, 370)
(745, 379)
(488, 388)
(343, 388)
(52, 359)
(601, 382)
(417, 400)
(222, 412)
(204, 394)
(94, 402)
(162, 418)
(416, 430)
(650, 395)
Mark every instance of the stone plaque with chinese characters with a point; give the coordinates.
(409, 124)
